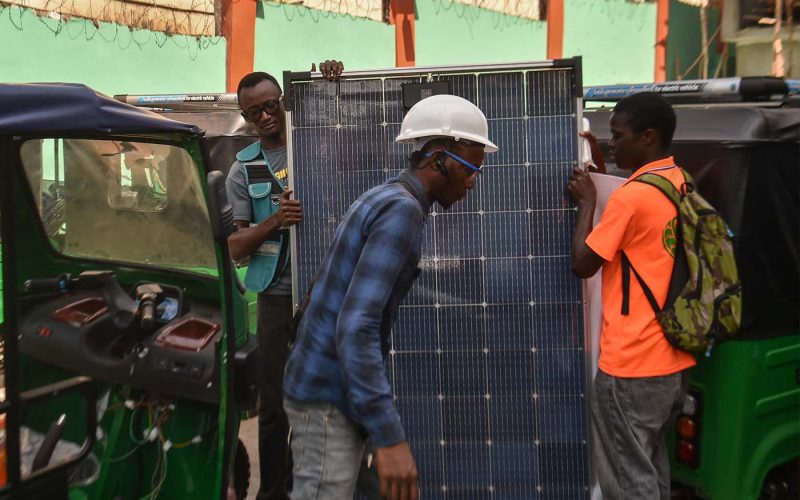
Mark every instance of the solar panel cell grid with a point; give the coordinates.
(487, 362)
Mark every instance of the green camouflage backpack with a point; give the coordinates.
(704, 301)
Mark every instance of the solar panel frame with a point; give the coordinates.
(456, 350)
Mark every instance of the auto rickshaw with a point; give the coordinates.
(127, 358)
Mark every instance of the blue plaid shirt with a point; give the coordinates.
(343, 338)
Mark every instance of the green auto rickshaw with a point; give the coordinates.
(127, 359)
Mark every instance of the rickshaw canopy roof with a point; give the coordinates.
(737, 123)
(43, 108)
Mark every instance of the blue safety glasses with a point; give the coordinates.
(459, 159)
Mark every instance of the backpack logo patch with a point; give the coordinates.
(670, 237)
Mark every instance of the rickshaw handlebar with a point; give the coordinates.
(62, 284)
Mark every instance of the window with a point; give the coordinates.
(126, 201)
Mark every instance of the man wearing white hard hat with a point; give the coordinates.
(336, 392)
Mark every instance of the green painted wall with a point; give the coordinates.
(453, 33)
(684, 44)
(615, 37)
(109, 58)
(292, 37)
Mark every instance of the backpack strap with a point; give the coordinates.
(626, 285)
(665, 186)
(627, 267)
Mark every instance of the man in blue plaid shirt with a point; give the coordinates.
(336, 392)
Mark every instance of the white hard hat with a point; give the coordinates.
(445, 115)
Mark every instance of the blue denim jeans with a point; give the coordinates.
(630, 418)
(327, 449)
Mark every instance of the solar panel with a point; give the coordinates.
(487, 358)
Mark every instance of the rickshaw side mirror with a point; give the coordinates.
(220, 211)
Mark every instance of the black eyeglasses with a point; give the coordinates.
(270, 107)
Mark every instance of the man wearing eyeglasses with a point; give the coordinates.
(336, 392)
(263, 210)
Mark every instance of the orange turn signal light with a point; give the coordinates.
(687, 427)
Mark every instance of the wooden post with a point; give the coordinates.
(239, 29)
(704, 39)
(790, 41)
(777, 42)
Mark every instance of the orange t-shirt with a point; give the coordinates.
(640, 220)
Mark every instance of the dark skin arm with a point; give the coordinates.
(585, 262)
(398, 472)
(247, 239)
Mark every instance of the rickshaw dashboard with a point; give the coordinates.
(149, 337)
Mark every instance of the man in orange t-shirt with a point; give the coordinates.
(640, 382)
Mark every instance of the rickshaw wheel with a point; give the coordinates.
(241, 471)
